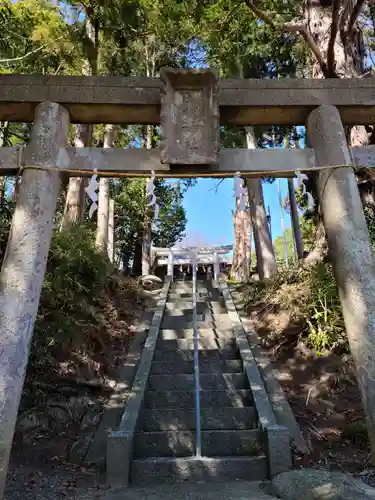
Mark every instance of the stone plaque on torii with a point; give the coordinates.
(189, 117)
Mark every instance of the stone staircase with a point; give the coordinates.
(157, 435)
(165, 440)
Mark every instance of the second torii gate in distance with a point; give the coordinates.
(205, 255)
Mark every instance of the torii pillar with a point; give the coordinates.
(22, 272)
(349, 247)
(170, 265)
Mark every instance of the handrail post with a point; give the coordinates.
(198, 445)
(170, 264)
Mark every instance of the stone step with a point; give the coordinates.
(188, 344)
(225, 366)
(215, 443)
(180, 295)
(175, 355)
(211, 419)
(186, 399)
(223, 469)
(208, 381)
(203, 333)
(186, 322)
(218, 307)
(186, 305)
(180, 317)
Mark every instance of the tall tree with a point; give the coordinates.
(74, 203)
(333, 42)
(103, 205)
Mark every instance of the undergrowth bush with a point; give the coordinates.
(73, 323)
(311, 298)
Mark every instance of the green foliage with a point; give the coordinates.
(325, 322)
(35, 38)
(76, 278)
(311, 298)
(75, 268)
(357, 433)
(278, 246)
(308, 231)
(131, 214)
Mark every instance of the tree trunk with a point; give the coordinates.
(348, 57)
(235, 259)
(146, 245)
(74, 203)
(297, 236)
(74, 210)
(266, 261)
(245, 242)
(147, 230)
(111, 231)
(348, 52)
(101, 240)
(150, 68)
(137, 259)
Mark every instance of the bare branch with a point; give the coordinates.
(292, 28)
(2, 61)
(230, 14)
(310, 42)
(264, 16)
(354, 16)
(215, 188)
(345, 14)
(336, 6)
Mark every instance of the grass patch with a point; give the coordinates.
(310, 296)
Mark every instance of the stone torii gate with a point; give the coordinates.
(204, 256)
(190, 105)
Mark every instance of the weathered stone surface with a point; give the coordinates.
(211, 419)
(278, 450)
(228, 489)
(311, 484)
(188, 355)
(139, 161)
(182, 381)
(189, 470)
(24, 263)
(203, 344)
(186, 399)
(225, 366)
(111, 99)
(189, 117)
(349, 247)
(215, 443)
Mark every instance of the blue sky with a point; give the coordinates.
(209, 213)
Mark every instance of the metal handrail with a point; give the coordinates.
(198, 444)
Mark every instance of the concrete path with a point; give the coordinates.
(238, 490)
